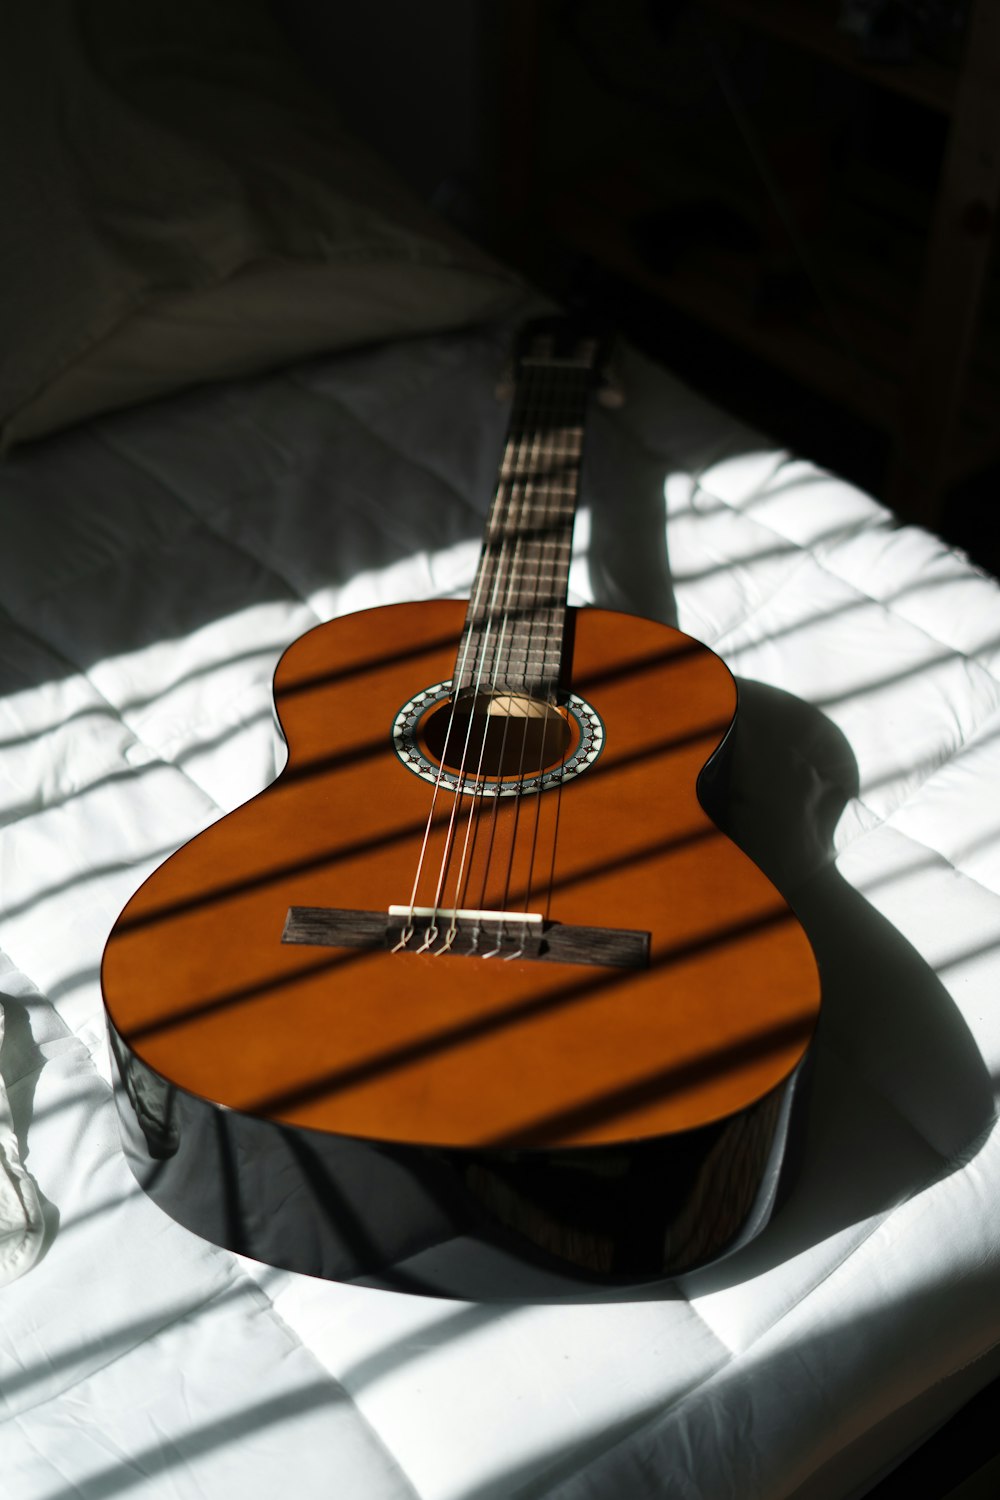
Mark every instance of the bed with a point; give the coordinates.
(254, 390)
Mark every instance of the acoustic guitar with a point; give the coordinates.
(477, 970)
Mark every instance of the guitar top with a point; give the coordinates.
(481, 919)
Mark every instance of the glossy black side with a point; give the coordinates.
(470, 1225)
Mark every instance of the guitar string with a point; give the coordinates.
(491, 559)
(521, 499)
(460, 669)
(540, 519)
(462, 776)
(560, 441)
(564, 454)
(496, 563)
(517, 519)
(579, 429)
(407, 929)
(527, 520)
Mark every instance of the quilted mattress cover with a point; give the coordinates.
(153, 565)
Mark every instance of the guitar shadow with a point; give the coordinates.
(627, 556)
(899, 1089)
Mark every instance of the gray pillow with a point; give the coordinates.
(181, 205)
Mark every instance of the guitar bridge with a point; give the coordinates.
(476, 934)
(468, 933)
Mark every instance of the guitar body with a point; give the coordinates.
(337, 1107)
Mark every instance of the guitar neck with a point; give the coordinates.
(514, 628)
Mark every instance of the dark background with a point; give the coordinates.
(795, 217)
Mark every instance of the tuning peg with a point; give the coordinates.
(611, 391)
(504, 388)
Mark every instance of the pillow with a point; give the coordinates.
(181, 205)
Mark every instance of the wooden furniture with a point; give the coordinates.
(889, 341)
(929, 449)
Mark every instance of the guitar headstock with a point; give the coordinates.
(566, 342)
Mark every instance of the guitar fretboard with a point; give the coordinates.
(513, 636)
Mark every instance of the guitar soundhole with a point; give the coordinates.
(497, 735)
(500, 744)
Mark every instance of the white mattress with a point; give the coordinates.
(152, 567)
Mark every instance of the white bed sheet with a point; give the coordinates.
(152, 567)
